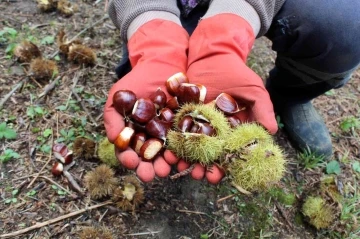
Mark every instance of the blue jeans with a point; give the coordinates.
(317, 45)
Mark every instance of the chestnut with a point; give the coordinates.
(174, 81)
(144, 110)
(62, 153)
(151, 148)
(188, 93)
(166, 114)
(158, 128)
(57, 169)
(233, 121)
(206, 128)
(185, 124)
(124, 138)
(173, 103)
(124, 101)
(159, 98)
(137, 141)
(59, 149)
(203, 92)
(227, 104)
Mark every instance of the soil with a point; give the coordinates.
(173, 209)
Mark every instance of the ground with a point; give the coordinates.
(181, 208)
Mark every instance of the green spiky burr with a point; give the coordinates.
(258, 166)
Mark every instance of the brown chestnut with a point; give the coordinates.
(144, 110)
(206, 128)
(185, 124)
(57, 169)
(137, 141)
(173, 103)
(188, 93)
(166, 114)
(151, 148)
(233, 121)
(124, 138)
(194, 128)
(227, 104)
(124, 101)
(159, 98)
(173, 83)
(203, 92)
(158, 128)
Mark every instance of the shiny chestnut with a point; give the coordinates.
(185, 124)
(159, 98)
(124, 101)
(174, 82)
(188, 93)
(158, 128)
(144, 110)
(151, 148)
(227, 104)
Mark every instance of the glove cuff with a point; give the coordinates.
(240, 8)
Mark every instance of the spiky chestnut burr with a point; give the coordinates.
(66, 8)
(106, 153)
(197, 147)
(84, 147)
(81, 54)
(101, 181)
(43, 69)
(26, 51)
(246, 134)
(95, 233)
(257, 167)
(318, 212)
(46, 5)
(129, 195)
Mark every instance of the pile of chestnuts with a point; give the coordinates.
(148, 120)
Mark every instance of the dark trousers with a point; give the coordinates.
(317, 45)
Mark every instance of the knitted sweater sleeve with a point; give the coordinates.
(123, 12)
(266, 9)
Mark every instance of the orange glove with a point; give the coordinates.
(218, 49)
(157, 50)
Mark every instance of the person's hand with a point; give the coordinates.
(157, 50)
(218, 49)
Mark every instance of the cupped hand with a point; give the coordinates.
(157, 50)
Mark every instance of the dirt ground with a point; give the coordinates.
(173, 209)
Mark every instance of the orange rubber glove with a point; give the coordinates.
(157, 50)
(218, 49)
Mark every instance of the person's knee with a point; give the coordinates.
(323, 36)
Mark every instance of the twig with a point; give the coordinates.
(83, 106)
(7, 96)
(72, 182)
(192, 212)
(47, 162)
(225, 198)
(58, 185)
(283, 214)
(81, 32)
(49, 87)
(75, 81)
(141, 233)
(51, 221)
(27, 176)
(240, 189)
(183, 173)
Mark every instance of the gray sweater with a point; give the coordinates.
(259, 13)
